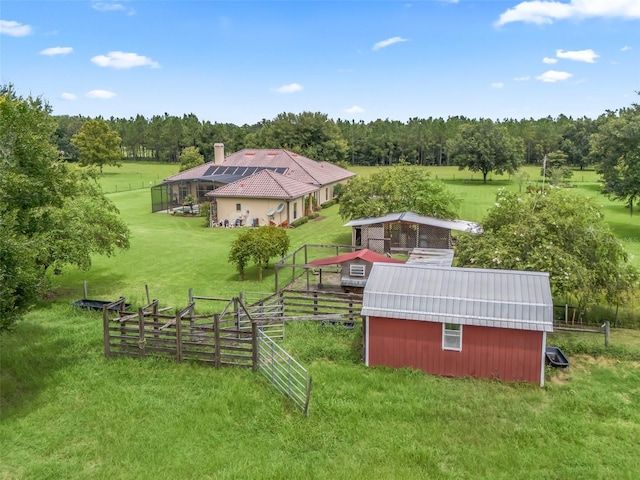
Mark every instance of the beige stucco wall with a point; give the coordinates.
(257, 207)
(326, 192)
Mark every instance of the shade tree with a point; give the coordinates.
(397, 189)
(486, 147)
(557, 231)
(51, 214)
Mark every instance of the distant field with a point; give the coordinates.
(135, 175)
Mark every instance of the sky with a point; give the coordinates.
(242, 62)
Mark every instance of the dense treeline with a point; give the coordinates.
(418, 141)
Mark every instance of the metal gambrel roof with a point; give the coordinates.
(410, 217)
(467, 296)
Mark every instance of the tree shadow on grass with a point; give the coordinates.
(30, 357)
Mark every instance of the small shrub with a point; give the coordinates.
(300, 221)
(330, 203)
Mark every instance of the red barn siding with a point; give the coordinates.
(500, 353)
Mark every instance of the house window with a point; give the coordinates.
(326, 194)
(452, 337)
(295, 210)
(238, 207)
(356, 270)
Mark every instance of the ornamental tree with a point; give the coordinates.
(559, 232)
(97, 144)
(190, 158)
(258, 245)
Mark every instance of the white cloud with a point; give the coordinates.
(588, 56)
(14, 29)
(354, 110)
(56, 51)
(552, 76)
(497, 85)
(104, 94)
(107, 6)
(626, 48)
(522, 79)
(388, 42)
(124, 60)
(291, 88)
(546, 12)
(549, 60)
(67, 96)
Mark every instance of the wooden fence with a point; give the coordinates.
(214, 339)
(317, 305)
(242, 336)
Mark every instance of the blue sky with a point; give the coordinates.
(244, 61)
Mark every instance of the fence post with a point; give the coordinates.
(216, 336)
(192, 303)
(178, 336)
(254, 345)
(315, 303)
(607, 332)
(141, 339)
(308, 395)
(105, 322)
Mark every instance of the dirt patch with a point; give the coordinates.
(560, 377)
(585, 361)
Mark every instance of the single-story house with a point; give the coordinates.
(458, 321)
(237, 167)
(264, 198)
(402, 232)
(355, 267)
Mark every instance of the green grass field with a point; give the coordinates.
(66, 412)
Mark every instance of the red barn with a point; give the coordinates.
(462, 322)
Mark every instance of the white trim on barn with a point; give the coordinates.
(543, 360)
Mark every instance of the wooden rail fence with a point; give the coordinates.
(241, 336)
(213, 339)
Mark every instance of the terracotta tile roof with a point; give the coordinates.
(265, 184)
(298, 167)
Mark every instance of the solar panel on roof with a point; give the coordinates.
(231, 171)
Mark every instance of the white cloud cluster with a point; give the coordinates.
(552, 76)
(107, 6)
(52, 51)
(68, 96)
(291, 88)
(101, 94)
(549, 60)
(14, 29)
(388, 42)
(522, 79)
(354, 110)
(588, 56)
(123, 60)
(546, 12)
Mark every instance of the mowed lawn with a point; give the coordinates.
(67, 412)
